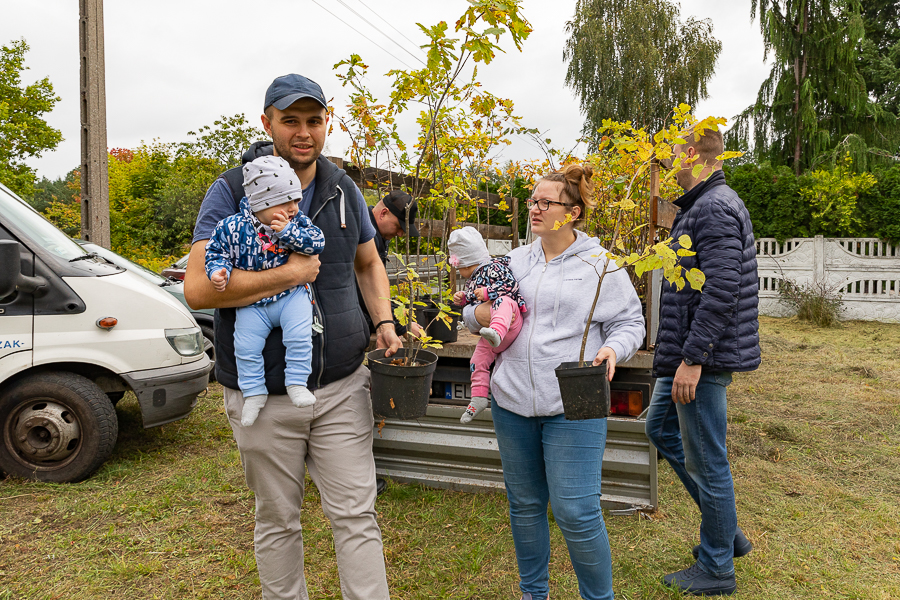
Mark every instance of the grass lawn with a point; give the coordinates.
(814, 438)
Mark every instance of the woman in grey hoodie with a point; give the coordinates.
(545, 457)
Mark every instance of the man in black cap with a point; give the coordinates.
(333, 437)
(389, 220)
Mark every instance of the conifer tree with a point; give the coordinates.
(879, 56)
(814, 104)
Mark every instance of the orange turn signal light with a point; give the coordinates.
(630, 403)
(107, 323)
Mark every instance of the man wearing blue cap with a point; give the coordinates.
(333, 437)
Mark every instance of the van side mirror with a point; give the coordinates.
(11, 277)
(11, 267)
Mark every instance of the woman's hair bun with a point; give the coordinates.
(579, 175)
(577, 185)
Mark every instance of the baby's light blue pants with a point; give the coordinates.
(293, 313)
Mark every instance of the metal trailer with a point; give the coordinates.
(438, 451)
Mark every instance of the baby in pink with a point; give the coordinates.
(489, 280)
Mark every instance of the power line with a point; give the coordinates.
(391, 26)
(361, 33)
(350, 8)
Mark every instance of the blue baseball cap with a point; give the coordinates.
(287, 89)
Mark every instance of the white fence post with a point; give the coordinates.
(819, 254)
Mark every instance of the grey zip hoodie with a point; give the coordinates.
(558, 296)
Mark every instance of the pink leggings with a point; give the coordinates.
(505, 320)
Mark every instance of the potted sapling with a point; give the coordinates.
(584, 387)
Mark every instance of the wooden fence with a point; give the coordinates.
(371, 177)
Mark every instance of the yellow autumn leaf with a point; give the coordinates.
(685, 242)
(729, 154)
(696, 278)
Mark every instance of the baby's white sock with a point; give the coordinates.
(300, 396)
(478, 404)
(493, 338)
(252, 406)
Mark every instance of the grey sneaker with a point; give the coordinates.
(697, 582)
(742, 546)
(528, 596)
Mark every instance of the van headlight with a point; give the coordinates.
(186, 342)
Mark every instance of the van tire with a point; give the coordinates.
(63, 399)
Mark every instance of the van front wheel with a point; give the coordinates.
(57, 427)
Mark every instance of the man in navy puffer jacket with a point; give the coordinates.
(704, 338)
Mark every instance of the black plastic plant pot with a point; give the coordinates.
(439, 330)
(584, 390)
(400, 392)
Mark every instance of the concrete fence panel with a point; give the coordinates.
(865, 271)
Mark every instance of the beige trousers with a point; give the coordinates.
(333, 437)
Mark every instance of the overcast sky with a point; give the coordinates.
(175, 65)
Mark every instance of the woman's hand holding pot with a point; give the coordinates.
(609, 355)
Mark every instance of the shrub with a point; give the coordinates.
(879, 207)
(814, 302)
(832, 196)
(772, 196)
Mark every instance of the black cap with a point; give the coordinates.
(396, 202)
(287, 89)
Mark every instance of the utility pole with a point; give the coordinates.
(94, 165)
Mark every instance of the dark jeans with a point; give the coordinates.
(550, 459)
(692, 438)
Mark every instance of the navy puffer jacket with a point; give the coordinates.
(718, 328)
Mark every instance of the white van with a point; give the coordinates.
(76, 333)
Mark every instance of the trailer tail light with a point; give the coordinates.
(626, 403)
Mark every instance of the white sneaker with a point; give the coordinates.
(300, 396)
(493, 338)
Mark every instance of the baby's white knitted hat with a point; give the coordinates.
(467, 248)
(270, 181)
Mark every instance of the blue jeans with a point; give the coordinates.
(550, 459)
(293, 313)
(692, 438)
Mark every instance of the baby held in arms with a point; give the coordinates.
(488, 280)
(261, 236)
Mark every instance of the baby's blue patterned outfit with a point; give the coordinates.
(241, 241)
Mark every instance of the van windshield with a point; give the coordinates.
(16, 211)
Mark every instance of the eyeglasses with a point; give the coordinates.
(543, 204)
